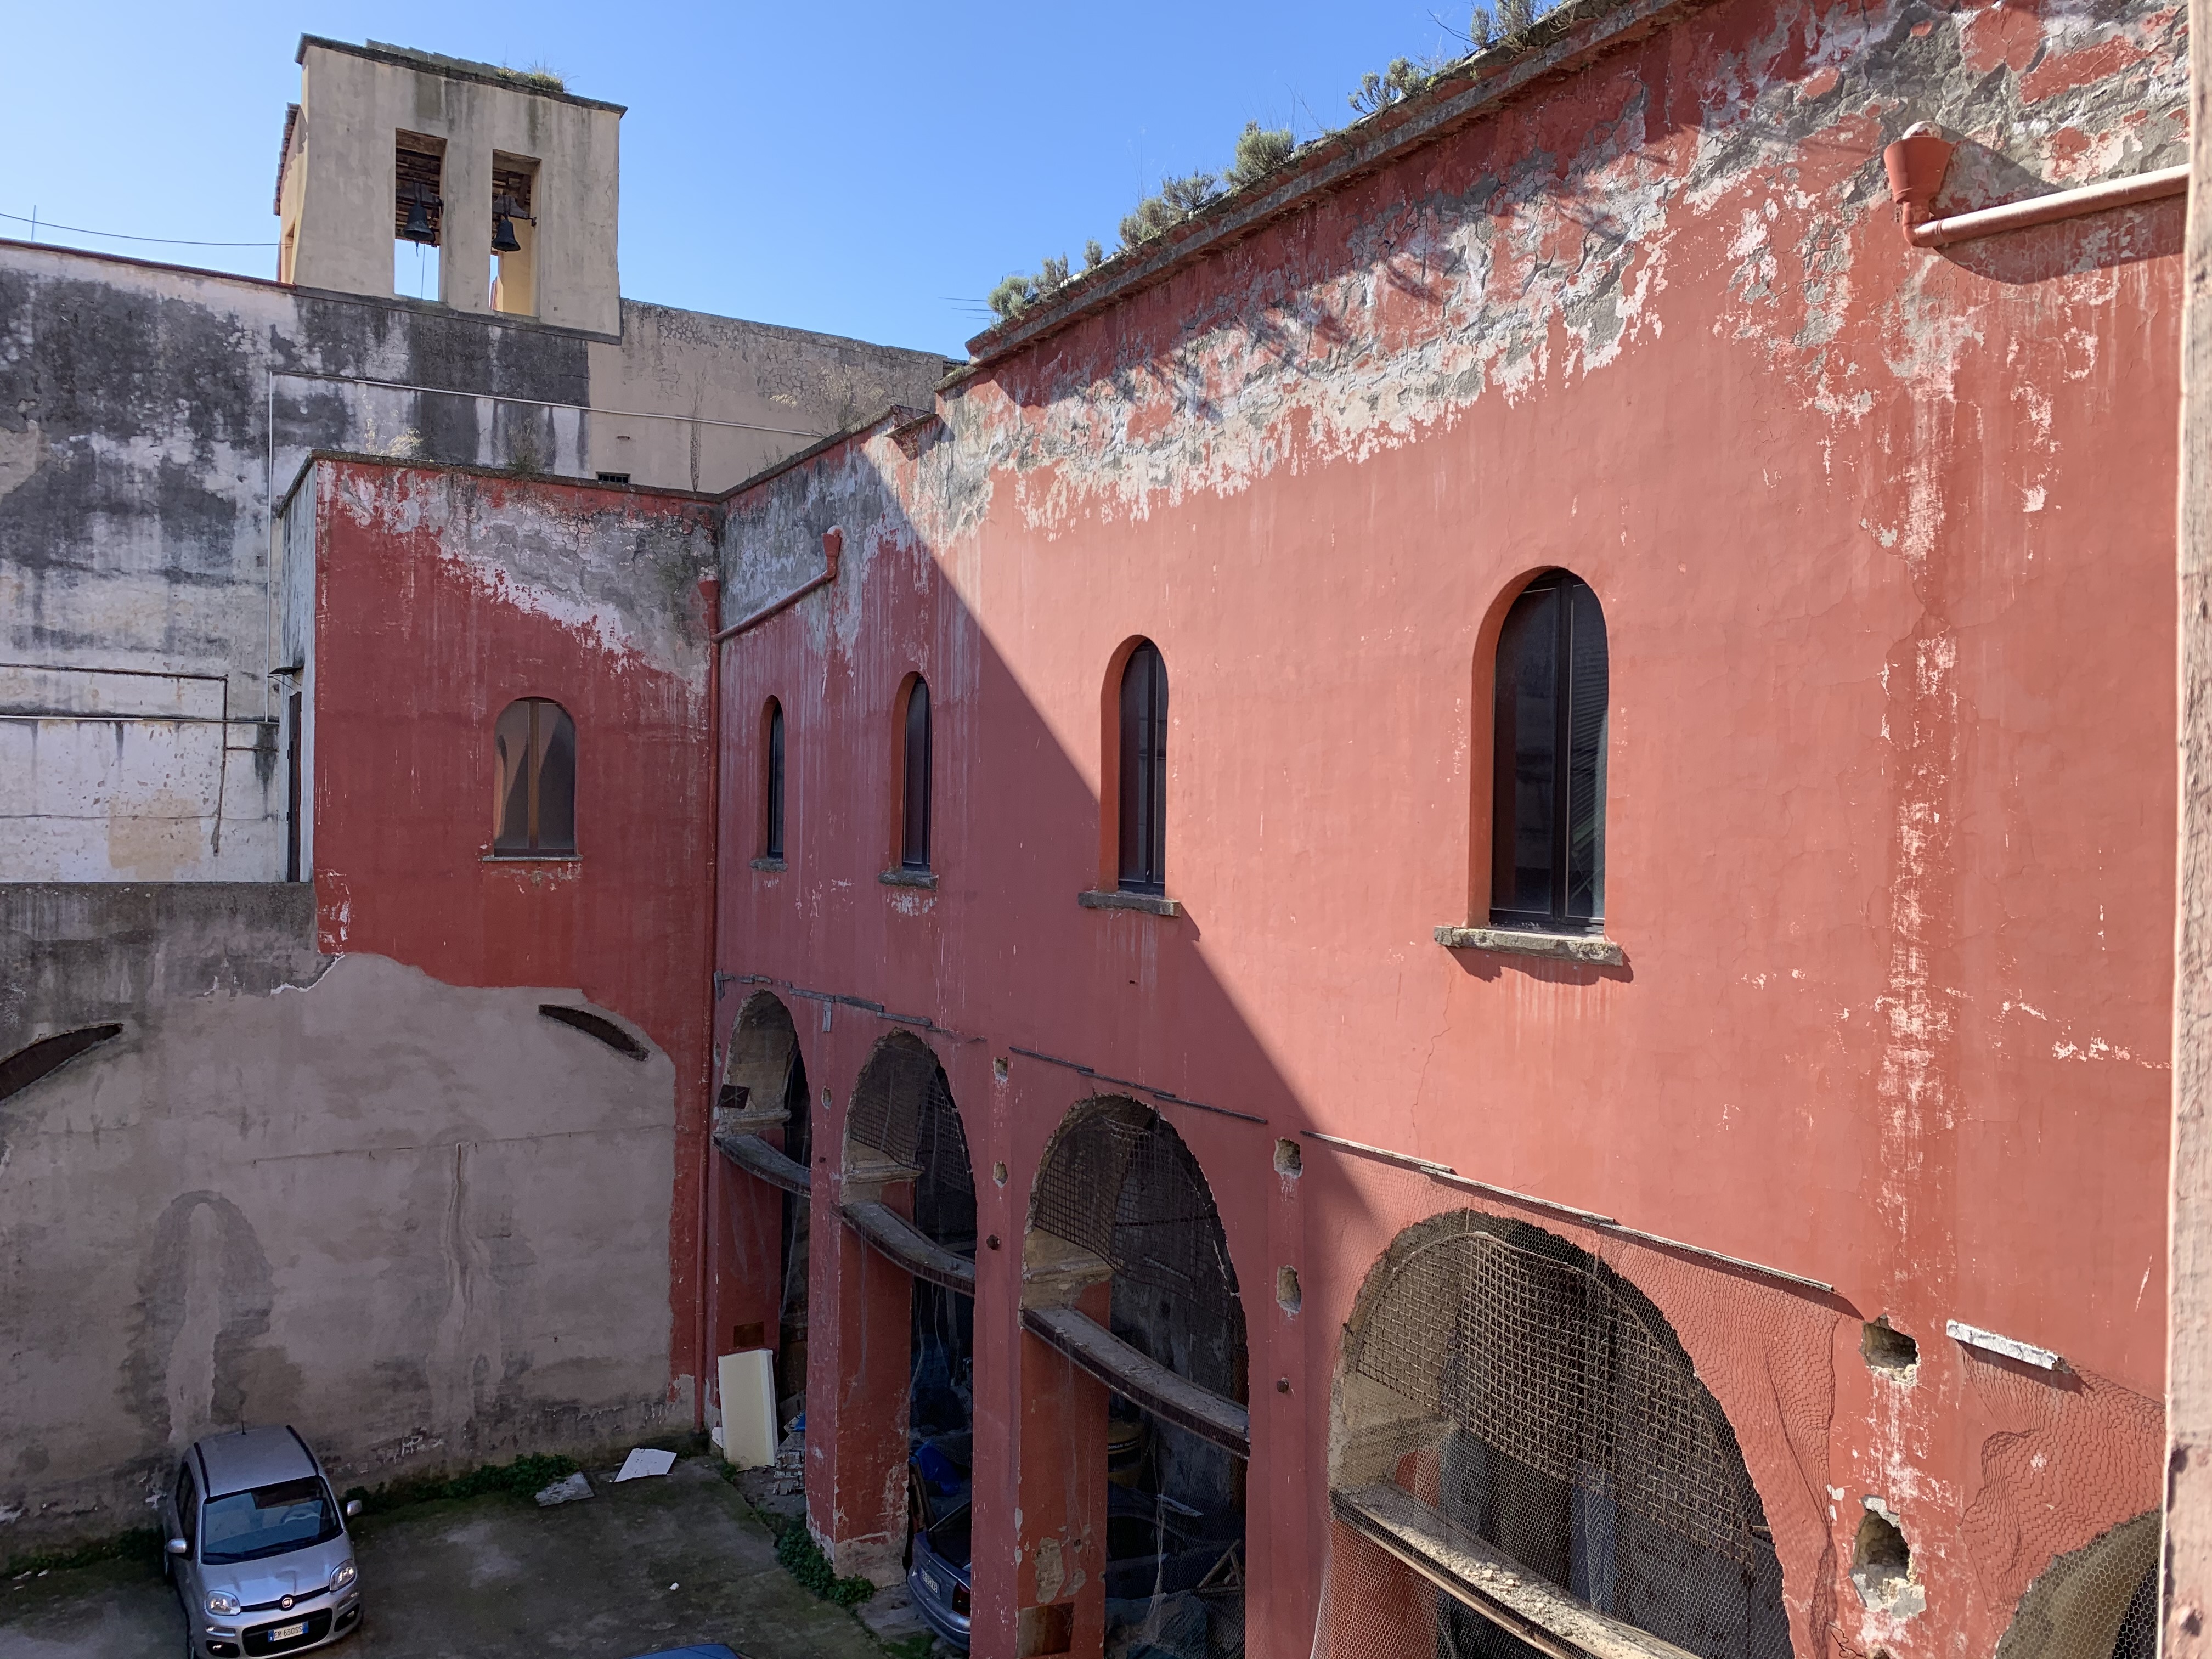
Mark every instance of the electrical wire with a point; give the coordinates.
(118, 236)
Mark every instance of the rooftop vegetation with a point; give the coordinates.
(1260, 151)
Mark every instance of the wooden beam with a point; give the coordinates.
(1137, 1376)
(893, 1236)
(756, 1157)
(1488, 1583)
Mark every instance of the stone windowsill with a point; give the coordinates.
(908, 878)
(533, 858)
(1114, 899)
(773, 866)
(1527, 942)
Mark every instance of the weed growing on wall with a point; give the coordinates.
(141, 1545)
(803, 1559)
(525, 1477)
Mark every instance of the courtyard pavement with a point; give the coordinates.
(646, 1565)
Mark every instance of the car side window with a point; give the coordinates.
(188, 1505)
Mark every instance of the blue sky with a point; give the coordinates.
(858, 167)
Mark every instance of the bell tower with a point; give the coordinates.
(488, 190)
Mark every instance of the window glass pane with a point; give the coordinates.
(1527, 754)
(1156, 774)
(774, 849)
(557, 780)
(1144, 765)
(1586, 726)
(511, 805)
(914, 849)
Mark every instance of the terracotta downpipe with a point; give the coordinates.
(833, 550)
(710, 590)
(1917, 162)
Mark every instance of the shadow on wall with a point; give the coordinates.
(1131, 1006)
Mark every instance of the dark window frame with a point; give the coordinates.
(1141, 787)
(772, 785)
(1554, 785)
(535, 841)
(917, 755)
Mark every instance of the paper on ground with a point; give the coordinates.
(644, 1461)
(565, 1491)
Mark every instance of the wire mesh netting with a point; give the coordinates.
(944, 1192)
(886, 1115)
(903, 1116)
(2099, 1602)
(1549, 1411)
(1514, 1393)
(1120, 1183)
(2056, 1447)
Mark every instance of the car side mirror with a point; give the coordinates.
(178, 1547)
(352, 1507)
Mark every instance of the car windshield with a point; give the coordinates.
(245, 1526)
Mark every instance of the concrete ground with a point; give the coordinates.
(644, 1565)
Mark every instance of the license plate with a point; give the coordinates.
(286, 1632)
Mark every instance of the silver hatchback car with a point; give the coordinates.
(257, 1547)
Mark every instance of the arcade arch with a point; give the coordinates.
(763, 1125)
(909, 1193)
(1519, 1424)
(1127, 1272)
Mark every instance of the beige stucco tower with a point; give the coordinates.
(381, 131)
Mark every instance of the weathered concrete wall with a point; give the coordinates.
(1881, 537)
(721, 368)
(439, 598)
(80, 955)
(148, 413)
(425, 1224)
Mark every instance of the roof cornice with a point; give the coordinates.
(452, 68)
(1466, 92)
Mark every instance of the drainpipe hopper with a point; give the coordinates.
(1916, 164)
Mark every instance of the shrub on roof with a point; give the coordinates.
(1260, 151)
(1402, 79)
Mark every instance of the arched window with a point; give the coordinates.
(914, 798)
(1547, 799)
(535, 810)
(772, 785)
(1144, 771)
